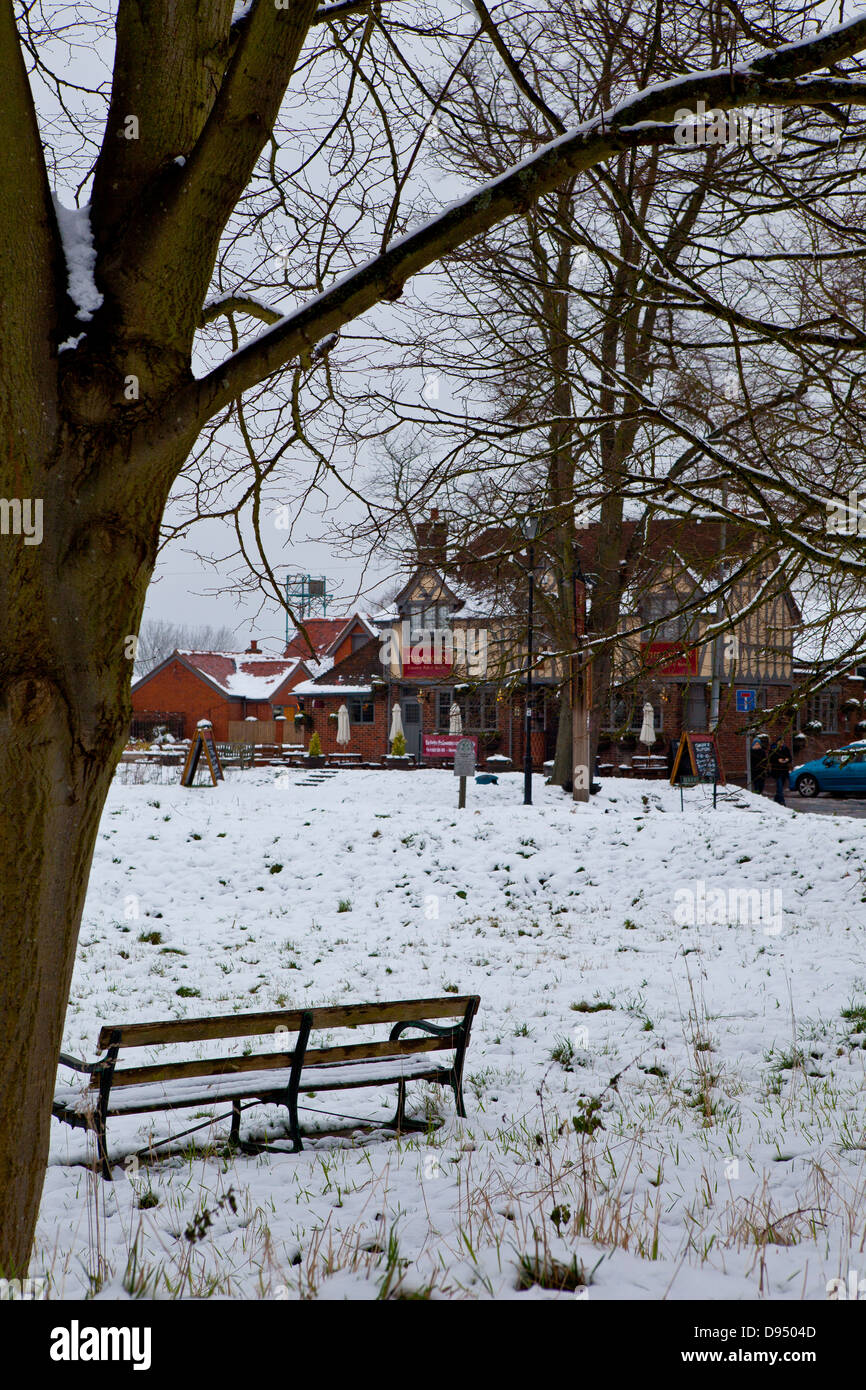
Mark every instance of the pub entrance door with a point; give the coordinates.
(410, 710)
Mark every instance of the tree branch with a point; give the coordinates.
(173, 239)
(238, 304)
(169, 61)
(523, 85)
(634, 122)
(32, 270)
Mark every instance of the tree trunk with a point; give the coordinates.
(562, 769)
(71, 604)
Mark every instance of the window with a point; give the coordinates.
(837, 760)
(658, 626)
(823, 706)
(425, 616)
(626, 711)
(279, 711)
(477, 709)
(359, 639)
(360, 711)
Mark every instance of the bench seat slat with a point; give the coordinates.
(185, 1091)
(249, 1025)
(273, 1061)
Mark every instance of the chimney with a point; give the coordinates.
(431, 538)
(253, 648)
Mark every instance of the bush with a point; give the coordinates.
(398, 747)
(315, 749)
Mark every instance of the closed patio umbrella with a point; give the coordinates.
(455, 719)
(343, 731)
(396, 724)
(648, 728)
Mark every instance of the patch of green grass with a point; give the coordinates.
(549, 1273)
(151, 938)
(856, 1015)
(344, 905)
(584, 1008)
(187, 992)
(275, 869)
(589, 1119)
(563, 1053)
(786, 1058)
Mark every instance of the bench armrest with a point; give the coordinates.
(435, 1029)
(77, 1065)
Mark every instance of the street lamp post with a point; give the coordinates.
(529, 527)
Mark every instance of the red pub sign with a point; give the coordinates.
(670, 658)
(443, 745)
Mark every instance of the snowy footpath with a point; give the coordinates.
(664, 1082)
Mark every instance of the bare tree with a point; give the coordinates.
(657, 340)
(211, 121)
(159, 638)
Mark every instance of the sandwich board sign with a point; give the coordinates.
(203, 742)
(697, 760)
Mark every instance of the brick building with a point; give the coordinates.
(455, 633)
(225, 687)
(231, 688)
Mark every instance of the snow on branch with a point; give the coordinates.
(778, 78)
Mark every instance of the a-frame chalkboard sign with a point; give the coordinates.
(697, 760)
(203, 742)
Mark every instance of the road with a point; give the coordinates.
(828, 805)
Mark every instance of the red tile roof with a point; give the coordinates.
(241, 675)
(321, 632)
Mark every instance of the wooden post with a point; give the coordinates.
(461, 799)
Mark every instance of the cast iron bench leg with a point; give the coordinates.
(100, 1115)
(101, 1151)
(457, 1088)
(401, 1122)
(235, 1132)
(295, 1080)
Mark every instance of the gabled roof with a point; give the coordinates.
(351, 676)
(236, 675)
(445, 593)
(348, 624)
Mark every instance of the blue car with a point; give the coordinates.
(839, 772)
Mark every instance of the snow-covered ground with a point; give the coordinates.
(665, 1077)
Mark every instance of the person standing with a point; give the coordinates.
(759, 760)
(780, 766)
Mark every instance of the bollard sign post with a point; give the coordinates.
(464, 766)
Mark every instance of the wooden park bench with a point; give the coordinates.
(236, 754)
(272, 1077)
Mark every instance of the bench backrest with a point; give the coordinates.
(460, 1008)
